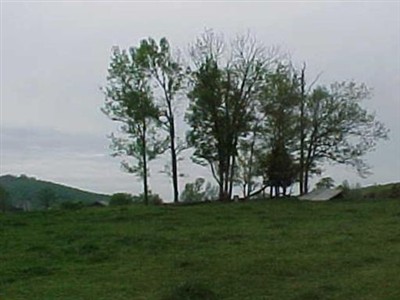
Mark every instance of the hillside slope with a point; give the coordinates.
(23, 190)
(276, 249)
(390, 190)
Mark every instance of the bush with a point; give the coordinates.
(153, 199)
(119, 199)
(395, 191)
(196, 191)
(193, 191)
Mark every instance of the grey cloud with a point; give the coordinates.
(55, 58)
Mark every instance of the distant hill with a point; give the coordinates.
(23, 192)
(390, 190)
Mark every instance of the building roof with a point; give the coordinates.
(322, 194)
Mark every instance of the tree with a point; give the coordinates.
(338, 129)
(168, 74)
(280, 170)
(279, 102)
(302, 103)
(119, 199)
(193, 191)
(246, 172)
(46, 197)
(325, 183)
(4, 196)
(129, 101)
(222, 101)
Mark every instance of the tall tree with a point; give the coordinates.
(338, 129)
(225, 86)
(302, 103)
(169, 75)
(278, 104)
(129, 101)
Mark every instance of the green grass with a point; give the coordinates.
(262, 250)
(391, 190)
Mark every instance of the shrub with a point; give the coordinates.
(119, 199)
(395, 191)
(193, 191)
(153, 199)
(196, 191)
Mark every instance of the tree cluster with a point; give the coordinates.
(254, 119)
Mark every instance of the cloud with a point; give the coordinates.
(55, 58)
(80, 160)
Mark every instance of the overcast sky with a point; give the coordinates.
(54, 59)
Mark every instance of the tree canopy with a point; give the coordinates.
(253, 119)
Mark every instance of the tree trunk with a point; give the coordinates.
(259, 191)
(250, 171)
(226, 178)
(301, 179)
(305, 188)
(173, 157)
(231, 176)
(232, 167)
(276, 190)
(221, 166)
(144, 157)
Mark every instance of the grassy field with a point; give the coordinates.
(261, 250)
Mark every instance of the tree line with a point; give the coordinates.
(254, 118)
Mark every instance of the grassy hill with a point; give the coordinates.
(276, 249)
(390, 190)
(25, 189)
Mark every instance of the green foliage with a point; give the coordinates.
(278, 103)
(168, 75)
(247, 107)
(391, 190)
(198, 191)
(135, 76)
(72, 205)
(253, 250)
(154, 199)
(129, 100)
(24, 189)
(119, 199)
(46, 197)
(395, 191)
(248, 169)
(280, 169)
(353, 192)
(226, 85)
(325, 183)
(338, 128)
(4, 196)
(193, 191)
